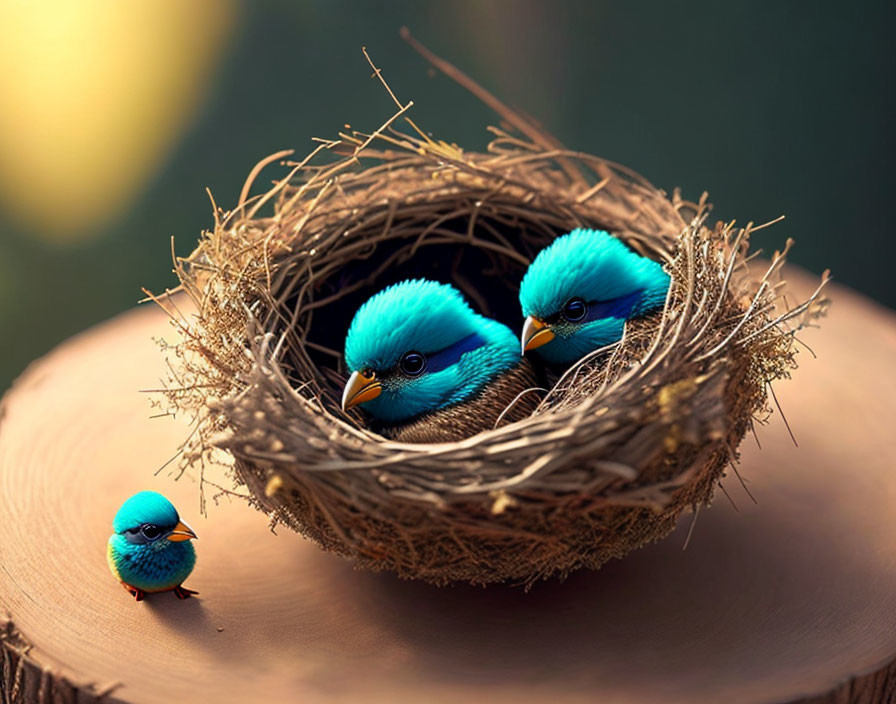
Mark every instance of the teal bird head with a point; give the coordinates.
(417, 346)
(148, 517)
(579, 291)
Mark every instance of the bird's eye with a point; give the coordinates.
(151, 532)
(575, 310)
(412, 364)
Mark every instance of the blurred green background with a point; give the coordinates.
(116, 117)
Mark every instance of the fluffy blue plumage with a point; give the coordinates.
(434, 320)
(420, 315)
(150, 549)
(145, 507)
(160, 566)
(597, 268)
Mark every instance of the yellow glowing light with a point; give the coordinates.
(94, 95)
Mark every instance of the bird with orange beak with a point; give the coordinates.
(579, 292)
(426, 368)
(151, 549)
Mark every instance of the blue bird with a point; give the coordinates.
(579, 291)
(427, 368)
(150, 550)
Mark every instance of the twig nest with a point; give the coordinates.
(610, 456)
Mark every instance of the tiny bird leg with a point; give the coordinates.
(183, 593)
(138, 594)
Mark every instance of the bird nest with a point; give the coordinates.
(612, 453)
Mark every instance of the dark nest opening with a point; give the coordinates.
(613, 453)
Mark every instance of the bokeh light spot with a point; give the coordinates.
(96, 94)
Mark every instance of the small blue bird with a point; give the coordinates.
(150, 549)
(428, 368)
(579, 291)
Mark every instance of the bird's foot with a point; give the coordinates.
(182, 592)
(138, 594)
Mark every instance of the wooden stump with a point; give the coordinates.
(793, 597)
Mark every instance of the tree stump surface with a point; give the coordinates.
(789, 599)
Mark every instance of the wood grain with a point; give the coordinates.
(789, 598)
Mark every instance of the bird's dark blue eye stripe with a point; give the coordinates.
(621, 307)
(443, 359)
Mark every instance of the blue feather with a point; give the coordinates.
(621, 307)
(145, 507)
(152, 568)
(616, 282)
(419, 315)
(148, 565)
(452, 354)
(464, 350)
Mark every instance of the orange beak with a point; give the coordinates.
(535, 334)
(360, 388)
(181, 532)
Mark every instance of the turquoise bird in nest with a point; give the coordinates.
(151, 549)
(427, 368)
(579, 292)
